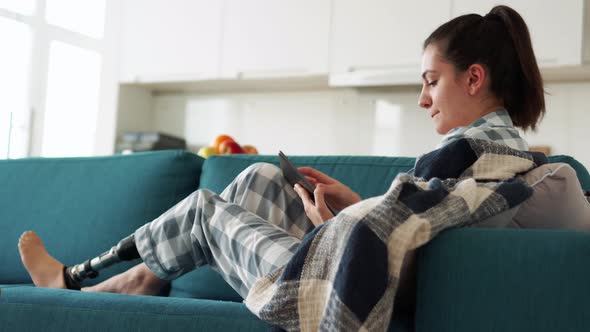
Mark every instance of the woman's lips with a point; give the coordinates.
(433, 114)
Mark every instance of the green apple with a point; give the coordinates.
(207, 151)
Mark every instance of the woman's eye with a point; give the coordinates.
(432, 83)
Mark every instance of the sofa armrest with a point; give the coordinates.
(504, 280)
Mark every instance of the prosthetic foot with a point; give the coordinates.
(125, 250)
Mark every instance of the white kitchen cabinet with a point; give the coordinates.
(275, 38)
(378, 42)
(556, 26)
(170, 40)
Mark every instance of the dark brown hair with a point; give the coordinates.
(500, 41)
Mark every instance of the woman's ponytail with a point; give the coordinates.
(531, 101)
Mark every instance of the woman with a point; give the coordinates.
(480, 79)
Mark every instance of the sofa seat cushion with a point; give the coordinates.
(66, 310)
(15, 285)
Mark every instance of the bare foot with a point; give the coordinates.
(45, 270)
(137, 280)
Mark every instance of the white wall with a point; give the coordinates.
(376, 121)
(565, 126)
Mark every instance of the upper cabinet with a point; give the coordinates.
(275, 38)
(378, 42)
(354, 42)
(170, 40)
(556, 27)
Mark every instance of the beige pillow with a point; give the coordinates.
(558, 201)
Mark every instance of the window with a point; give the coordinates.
(14, 66)
(24, 7)
(51, 65)
(72, 101)
(84, 17)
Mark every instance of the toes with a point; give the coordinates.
(29, 237)
(25, 236)
(28, 242)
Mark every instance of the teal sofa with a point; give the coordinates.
(470, 279)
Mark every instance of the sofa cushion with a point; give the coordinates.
(475, 279)
(204, 283)
(368, 176)
(81, 207)
(65, 310)
(557, 202)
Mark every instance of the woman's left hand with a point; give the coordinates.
(317, 211)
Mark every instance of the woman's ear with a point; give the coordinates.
(476, 75)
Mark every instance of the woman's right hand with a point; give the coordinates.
(338, 195)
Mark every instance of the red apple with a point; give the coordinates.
(250, 149)
(230, 147)
(220, 139)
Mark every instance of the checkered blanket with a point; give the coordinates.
(346, 273)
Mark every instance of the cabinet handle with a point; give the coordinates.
(273, 73)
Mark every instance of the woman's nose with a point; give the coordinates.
(424, 100)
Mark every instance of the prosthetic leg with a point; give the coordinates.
(125, 250)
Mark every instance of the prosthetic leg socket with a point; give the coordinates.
(125, 250)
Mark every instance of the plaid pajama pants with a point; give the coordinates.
(251, 229)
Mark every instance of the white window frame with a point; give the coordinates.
(42, 34)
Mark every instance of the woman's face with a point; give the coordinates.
(445, 93)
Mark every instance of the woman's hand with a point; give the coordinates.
(315, 209)
(328, 189)
(338, 195)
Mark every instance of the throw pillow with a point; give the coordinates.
(558, 201)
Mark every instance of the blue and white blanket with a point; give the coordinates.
(346, 273)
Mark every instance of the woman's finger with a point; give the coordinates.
(303, 194)
(314, 173)
(320, 203)
(311, 180)
(308, 205)
(318, 194)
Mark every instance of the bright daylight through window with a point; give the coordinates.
(14, 84)
(51, 76)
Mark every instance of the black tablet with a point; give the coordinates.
(293, 176)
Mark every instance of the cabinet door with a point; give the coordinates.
(381, 40)
(170, 40)
(275, 38)
(555, 26)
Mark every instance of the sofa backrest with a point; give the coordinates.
(80, 207)
(581, 171)
(366, 175)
